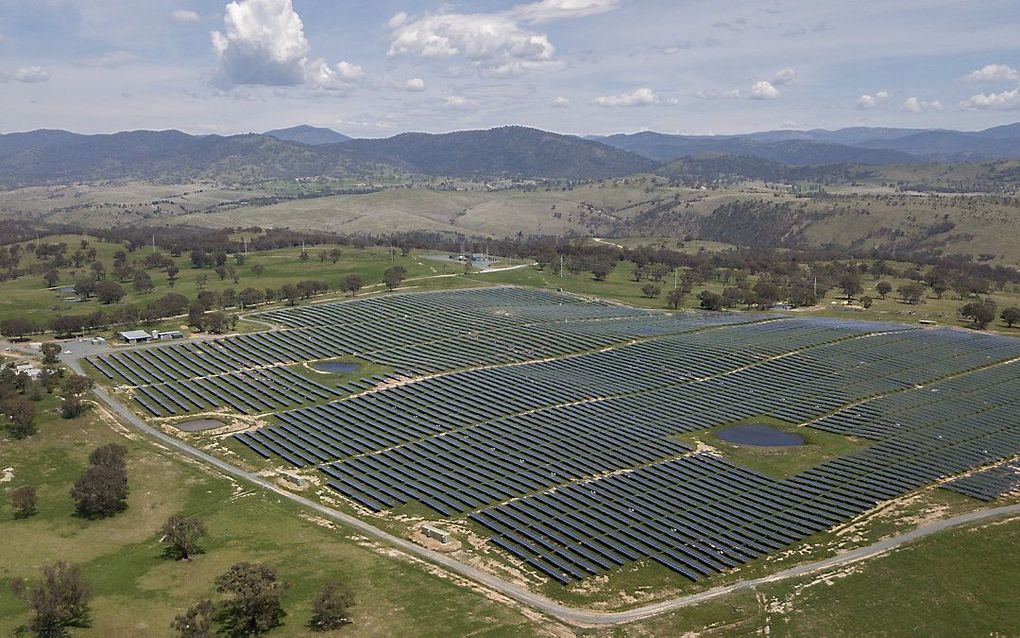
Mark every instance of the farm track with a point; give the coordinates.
(564, 613)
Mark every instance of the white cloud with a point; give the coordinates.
(397, 20)
(455, 100)
(639, 97)
(547, 10)
(27, 75)
(784, 76)
(264, 43)
(501, 44)
(914, 105)
(561, 102)
(993, 73)
(414, 85)
(717, 95)
(871, 101)
(763, 90)
(1005, 101)
(182, 15)
(341, 76)
(111, 59)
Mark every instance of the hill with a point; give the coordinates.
(666, 148)
(855, 145)
(508, 151)
(46, 157)
(51, 157)
(310, 135)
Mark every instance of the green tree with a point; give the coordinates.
(109, 292)
(197, 622)
(393, 276)
(24, 501)
(50, 350)
(331, 608)
(20, 413)
(1011, 316)
(850, 284)
(867, 301)
(254, 594)
(180, 534)
(883, 288)
(58, 600)
(675, 298)
(52, 278)
(142, 282)
(352, 284)
(103, 488)
(651, 291)
(981, 313)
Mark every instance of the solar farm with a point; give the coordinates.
(562, 426)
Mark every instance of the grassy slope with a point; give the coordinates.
(27, 296)
(138, 592)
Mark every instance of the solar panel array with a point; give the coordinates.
(563, 443)
(989, 484)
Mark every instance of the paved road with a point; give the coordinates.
(546, 605)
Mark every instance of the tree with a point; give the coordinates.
(711, 300)
(58, 600)
(109, 455)
(250, 297)
(331, 608)
(334, 255)
(20, 413)
(883, 288)
(171, 274)
(981, 313)
(17, 327)
(197, 622)
(867, 301)
(850, 284)
(84, 286)
(352, 284)
(600, 270)
(258, 269)
(911, 293)
(253, 605)
(290, 293)
(180, 533)
(52, 278)
(23, 500)
(142, 282)
(102, 490)
(393, 276)
(217, 322)
(109, 292)
(675, 298)
(50, 350)
(766, 294)
(1011, 316)
(74, 388)
(651, 291)
(940, 287)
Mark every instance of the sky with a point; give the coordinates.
(375, 69)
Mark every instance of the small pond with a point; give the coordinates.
(335, 367)
(199, 425)
(759, 434)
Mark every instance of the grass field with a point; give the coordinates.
(137, 592)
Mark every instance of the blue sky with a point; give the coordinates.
(576, 66)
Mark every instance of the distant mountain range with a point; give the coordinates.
(50, 156)
(859, 145)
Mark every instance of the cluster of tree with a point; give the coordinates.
(59, 599)
(102, 489)
(251, 604)
(18, 394)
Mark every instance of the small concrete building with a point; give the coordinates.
(167, 335)
(435, 534)
(134, 336)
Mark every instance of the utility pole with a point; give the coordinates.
(561, 266)
(154, 242)
(676, 277)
